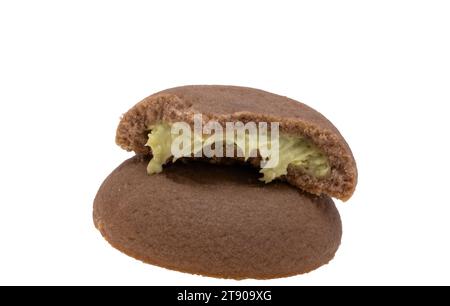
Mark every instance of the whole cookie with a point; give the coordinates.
(215, 220)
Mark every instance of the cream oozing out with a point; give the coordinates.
(292, 150)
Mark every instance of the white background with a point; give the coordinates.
(379, 70)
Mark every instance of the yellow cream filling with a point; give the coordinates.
(293, 150)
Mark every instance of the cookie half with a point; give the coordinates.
(213, 220)
(322, 162)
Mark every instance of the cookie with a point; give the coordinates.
(322, 165)
(215, 220)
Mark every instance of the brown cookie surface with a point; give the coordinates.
(215, 220)
(232, 103)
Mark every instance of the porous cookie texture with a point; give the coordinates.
(232, 104)
(215, 220)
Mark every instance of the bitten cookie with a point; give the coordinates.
(324, 163)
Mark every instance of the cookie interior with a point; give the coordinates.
(292, 150)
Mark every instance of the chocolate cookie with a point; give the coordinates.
(326, 165)
(215, 220)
